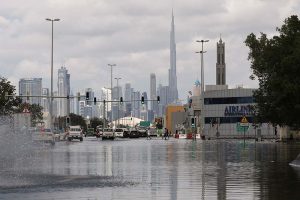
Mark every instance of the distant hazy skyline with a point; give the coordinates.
(134, 35)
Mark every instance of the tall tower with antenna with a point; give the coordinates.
(173, 92)
(221, 66)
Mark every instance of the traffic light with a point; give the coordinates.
(121, 100)
(158, 99)
(143, 100)
(193, 121)
(95, 100)
(68, 97)
(190, 102)
(87, 96)
(68, 120)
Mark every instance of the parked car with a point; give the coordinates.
(108, 133)
(134, 133)
(44, 135)
(153, 132)
(75, 132)
(126, 133)
(119, 132)
(142, 131)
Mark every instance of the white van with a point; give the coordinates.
(75, 132)
(108, 133)
(119, 132)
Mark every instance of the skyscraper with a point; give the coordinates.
(153, 96)
(105, 95)
(127, 99)
(45, 100)
(32, 87)
(136, 104)
(164, 93)
(173, 92)
(221, 66)
(63, 84)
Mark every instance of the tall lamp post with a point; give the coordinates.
(118, 99)
(51, 92)
(111, 86)
(202, 83)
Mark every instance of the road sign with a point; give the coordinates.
(244, 124)
(240, 128)
(244, 120)
(145, 123)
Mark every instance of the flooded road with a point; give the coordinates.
(152, 169)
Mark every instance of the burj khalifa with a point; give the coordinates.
(173, 92)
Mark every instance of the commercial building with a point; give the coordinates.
(31, 87)
(63, 85)
(224, 110)
(173, 118)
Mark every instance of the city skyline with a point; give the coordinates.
(26, 39)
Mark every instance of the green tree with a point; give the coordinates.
(77, 120)
(95, 121)
(7, 105)
(35, 110)
(276, 64)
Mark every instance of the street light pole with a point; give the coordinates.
(51, 92)
(111, 86)
(118, 99)
(202, 84)
(202, 64)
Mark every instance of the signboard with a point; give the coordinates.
(145, 123)
(238, 110)
(240, 128)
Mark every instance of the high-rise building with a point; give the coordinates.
(164, 93)
(153, 95)
(136, 104)
(105, 95)
(32, 87)
(146, 103)
(72, 103)
(63, 84)
(45, 101)
(221, 66)
(127, 99)
(91, 96)
(173, 92)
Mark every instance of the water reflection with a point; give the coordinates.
(154, 169)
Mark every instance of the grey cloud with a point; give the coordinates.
(134, 35)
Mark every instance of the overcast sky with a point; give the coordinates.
(135, 35)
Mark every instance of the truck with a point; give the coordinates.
(108, 133)
(75, 132)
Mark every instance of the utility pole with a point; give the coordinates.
(202, 84)
(51, 92)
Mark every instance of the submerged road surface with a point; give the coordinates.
(150, 169)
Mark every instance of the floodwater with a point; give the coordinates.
(151, 169)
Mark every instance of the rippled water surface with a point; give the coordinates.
(151, 169)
